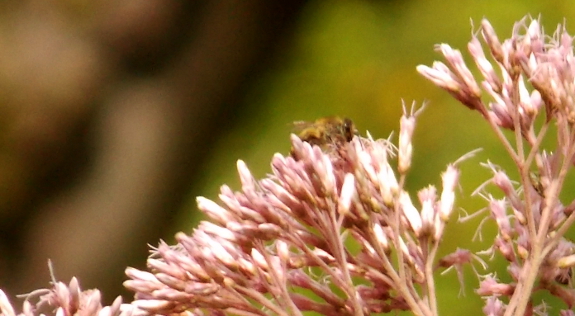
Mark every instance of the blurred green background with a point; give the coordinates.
(115, 115)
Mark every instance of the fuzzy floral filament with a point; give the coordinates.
(535, 71)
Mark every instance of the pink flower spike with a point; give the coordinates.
(492, 41)
(489, 286)
(534, 34)
(407, 255)
(484, 65)
(259, 259)
(453, 56)
(92, 303)
(427, 198)
(152, 305)
(245, 176)
(381, 237)
(494, 307)
(410, 212)
(449, 179)
(217, 213)
(529, 109)
(388, 185)
(5, 305)
(220, 253)
(324, 170)
(498, 212)
(347, 193)
(134, 273)
(407, 125)
(282, 249)
(367, 163)
(441, 76)
(217, 230)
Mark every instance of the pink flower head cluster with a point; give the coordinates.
(528, 71)
(334, 233)
(331, 231)
(522, 75)
(66, 300)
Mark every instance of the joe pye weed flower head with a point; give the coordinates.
(291, 232)
(526, 87)
(334, 230)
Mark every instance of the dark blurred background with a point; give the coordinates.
(115, 115)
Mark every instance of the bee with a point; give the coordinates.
(327, 132)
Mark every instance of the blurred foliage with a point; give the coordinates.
(357, 59)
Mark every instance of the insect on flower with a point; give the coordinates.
(329, 133)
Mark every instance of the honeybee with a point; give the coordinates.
(326, 132)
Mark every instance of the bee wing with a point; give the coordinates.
(299, 126)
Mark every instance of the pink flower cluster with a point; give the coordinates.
(336, 232)
(64, 300)
(522, 75)
(333, 233)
